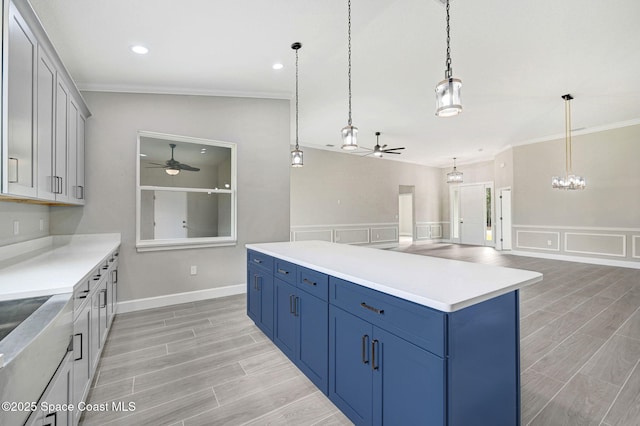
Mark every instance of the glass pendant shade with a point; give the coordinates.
(349, 138)
(296, 158)
(569, 180)
(172, 172)
(454, 176)
(448, 101)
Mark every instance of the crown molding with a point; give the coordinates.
(163, 90)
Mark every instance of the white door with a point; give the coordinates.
(405, 215)
(170, 215)
(505, 219)
(472, 214)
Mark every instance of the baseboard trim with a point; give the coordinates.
(173, 299)
(580, 259)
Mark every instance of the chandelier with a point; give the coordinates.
(454, 176)
(569, 181)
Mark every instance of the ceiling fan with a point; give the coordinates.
(172, 167)
(379, 150)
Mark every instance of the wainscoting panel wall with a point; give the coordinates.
(375, 234)
(610, 245)
(431, 230)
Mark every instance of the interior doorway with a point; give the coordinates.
(472, 213)
(503, 230)
(406, 214)
(170, 214)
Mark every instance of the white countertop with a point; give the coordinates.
(442, 284)
(51, 265)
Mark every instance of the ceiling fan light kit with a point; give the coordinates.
(349, 132)
(569, 180)
(448, 102)
(172, 167)
(297, 159)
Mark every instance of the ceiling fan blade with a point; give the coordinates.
(156, 167)
(188, 168)
(158, 164)
(391, 152)
(392, 149)
(383, 146)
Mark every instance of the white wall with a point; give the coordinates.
(260, 127)
(335, 189)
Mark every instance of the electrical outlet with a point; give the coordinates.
(16, 227)
(548, 242)
(194, 270)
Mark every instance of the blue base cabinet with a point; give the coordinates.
(383, 360)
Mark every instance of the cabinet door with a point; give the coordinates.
(312, 348)
(46, 121)
(351, 378)
(72, 151)
(286, 319)
(253, 295)
(57, 394)
(81, 359)
(104, 319)
(61, 147)
(20, 144)
(408, 385)
(80, 161)
(94, 326)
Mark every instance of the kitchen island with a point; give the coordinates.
(394, 338)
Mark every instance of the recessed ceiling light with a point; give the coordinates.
(139, 49)
(277, 66)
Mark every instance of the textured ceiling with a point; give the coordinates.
(515, 58)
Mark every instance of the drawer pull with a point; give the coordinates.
(365, 343)
(373, 354)
(55, 419)
(283, 272)
(257, 260)
(371, 308)
(309, 282)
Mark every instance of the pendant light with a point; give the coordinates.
(448, 101)
(569, 181)
(349, 132)
(296, 154)
(454, 176)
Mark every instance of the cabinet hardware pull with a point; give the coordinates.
(371, 308)
(365, 342)
(55, 419)
(296, 301)
(17, 174)
(104, 291)
(309, 282)
(81, 355)
(257, 260)
(114, 276)
(256, 282)
(282, 271)
(373, 354)
(82, 297)
(291, 311)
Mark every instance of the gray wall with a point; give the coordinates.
(28, 216)
(601, 221)
(336, 189)
(260, 127)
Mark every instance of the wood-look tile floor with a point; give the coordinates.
(206, 363)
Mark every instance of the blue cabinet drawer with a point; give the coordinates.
(261, 260)
(313, 282)
(286, 271)
(420, 325)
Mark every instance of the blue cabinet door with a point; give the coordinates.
(260, 299)
(254, 305)
(351, 376)
(408, 382)
(312, 355)
(284, 330)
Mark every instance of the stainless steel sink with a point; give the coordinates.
(13, 312)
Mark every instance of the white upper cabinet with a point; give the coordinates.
(19, 142)
(43, 116)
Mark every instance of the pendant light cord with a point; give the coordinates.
(349, 53)
(297, 147)
(448, 72)
(567, 116)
